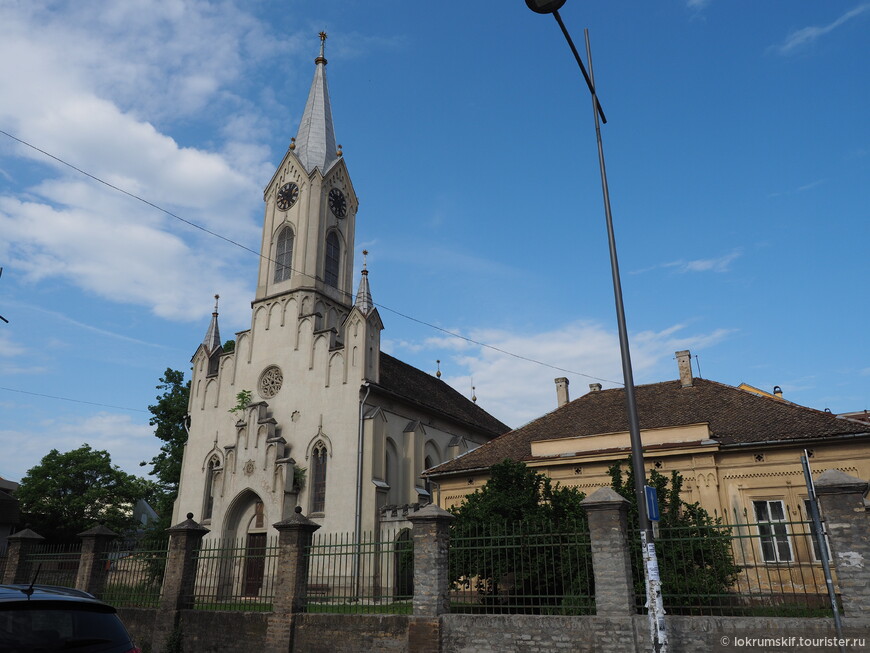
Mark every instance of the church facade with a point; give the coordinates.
(306, 409)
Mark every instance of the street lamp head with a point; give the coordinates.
(544, 6)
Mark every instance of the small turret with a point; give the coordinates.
(212, 338)
(364, 295)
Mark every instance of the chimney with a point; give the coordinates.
(561, 391)
(777, 392)
(594, 387)
(684, 363)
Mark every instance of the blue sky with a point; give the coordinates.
(738, 153)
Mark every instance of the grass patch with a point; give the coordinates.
(131, 596)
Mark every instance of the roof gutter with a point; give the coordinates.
(786, 443)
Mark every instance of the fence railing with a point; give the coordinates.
(134, 576)
(371, 574)
(745, 568)
(522, 568)
(57, 564)
(236, 574)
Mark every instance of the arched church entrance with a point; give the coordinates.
(245, 526)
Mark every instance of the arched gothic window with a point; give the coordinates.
(318, 477)
(208, 504)
(332, 262)
(284, 255)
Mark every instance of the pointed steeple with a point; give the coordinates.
(364, 295)
(212, 338)
(315, 140)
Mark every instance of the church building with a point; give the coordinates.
(306, 409)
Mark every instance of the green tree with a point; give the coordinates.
(695, 559)
(520, 539)
(168, 417)
(67, 493)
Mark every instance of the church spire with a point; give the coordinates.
(315, 140)
(212, 338)
(364, 295)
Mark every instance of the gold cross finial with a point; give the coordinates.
(322, 57)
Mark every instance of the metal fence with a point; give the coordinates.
(749, 567)
(236, 574)
(522, 568)
(370, 574)
(54, 564)
(134, 576)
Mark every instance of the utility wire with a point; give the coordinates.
(77, 401)
(267, 258)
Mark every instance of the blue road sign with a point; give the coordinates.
(652, 503)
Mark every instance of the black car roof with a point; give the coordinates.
(18, 593)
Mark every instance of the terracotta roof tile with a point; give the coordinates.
(735, 416)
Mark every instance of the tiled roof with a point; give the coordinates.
(421, 388)
(734, 416)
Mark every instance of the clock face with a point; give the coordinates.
(337, 203)
(287, 196)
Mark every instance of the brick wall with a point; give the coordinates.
(351, 633)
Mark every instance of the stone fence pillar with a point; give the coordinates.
(93, 570)
(291, 579)
(179, 578)
(431, 577)
(21, 544)
(431, 573)
(848, 524)
(607, 512)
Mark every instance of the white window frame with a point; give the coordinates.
(777, 532)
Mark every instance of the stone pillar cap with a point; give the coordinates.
(833, 481)
(605, 498)
(188, 525)
(429, 513)
(26, 534)
(298, 521)
(100, 530)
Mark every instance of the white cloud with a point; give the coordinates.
(800, 189)
(128, 441)
(805, 36)
(10, 348)
(717, 264)
(99, 87)
(517, 391)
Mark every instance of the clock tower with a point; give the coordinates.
(305, 409)
(310, 217)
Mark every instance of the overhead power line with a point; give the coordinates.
(76, 401)
(267, 258)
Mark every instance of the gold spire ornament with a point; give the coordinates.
(321, 58)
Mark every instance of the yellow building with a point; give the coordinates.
(738, 450)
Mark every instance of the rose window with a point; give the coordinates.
(270, 382)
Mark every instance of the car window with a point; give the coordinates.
(35, 629)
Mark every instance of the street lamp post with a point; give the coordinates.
(655, 608)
